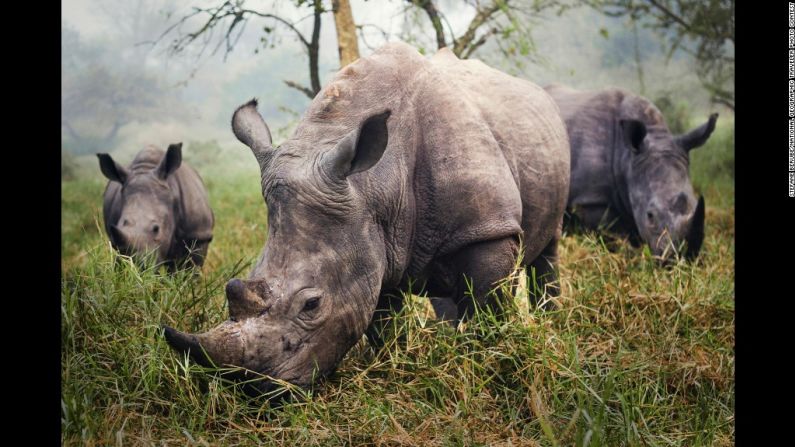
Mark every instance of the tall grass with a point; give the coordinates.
(634, 355)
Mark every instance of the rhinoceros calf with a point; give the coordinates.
(401, 168)
(157, 204)
(629, 173)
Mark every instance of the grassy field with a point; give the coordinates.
(636, 354)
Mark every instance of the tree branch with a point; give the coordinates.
(471, 49)
(433, 15)
(670, 14)
(480, 18)
(305, 90)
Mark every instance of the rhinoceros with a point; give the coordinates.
(629, 173)
(157, 204)
(403, 168)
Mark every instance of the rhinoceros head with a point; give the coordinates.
(312, 293)
(147, 222)
(666, 211)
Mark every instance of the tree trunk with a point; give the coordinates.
(346, 32)
(314, 50)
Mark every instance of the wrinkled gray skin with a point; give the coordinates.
(402, 167)
(157, 204)
(629, 173)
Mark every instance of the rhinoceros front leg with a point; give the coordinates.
(382, 325)
(189, 254)
(198, 252)
(445, 308)
(542, 274)
(480, 267)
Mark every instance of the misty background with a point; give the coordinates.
(123, 89)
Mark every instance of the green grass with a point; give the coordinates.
(635, 355)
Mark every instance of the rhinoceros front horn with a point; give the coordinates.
(695, 235)
(119, 238)
(186, 343)
(249, 127)
(217, 347)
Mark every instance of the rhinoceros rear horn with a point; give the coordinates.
(171, 161)
(242, 304)
(695, 235)
(698, 136)
(361, 149)
(249, 127)
(112, 170)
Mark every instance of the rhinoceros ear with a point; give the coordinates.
(698, 136)
(249, 127)
(170, 162)
(634, 132)
(361, 149)
(112, 170)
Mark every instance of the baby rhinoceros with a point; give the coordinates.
(629, 173)
(157, 205)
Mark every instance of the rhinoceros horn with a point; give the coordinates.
(249, 127)
(695, 235)
(213, 348)
(119, 237)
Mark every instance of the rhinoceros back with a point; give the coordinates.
(473, 154)
(526, 124)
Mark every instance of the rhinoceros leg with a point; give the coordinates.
(189, 254)
(445, 308)
(381, 324)
(543, 275)
(479, 268)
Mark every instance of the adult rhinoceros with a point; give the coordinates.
(402, 167)
(628, 172)
(157, 204)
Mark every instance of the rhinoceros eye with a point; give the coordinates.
(311, 304)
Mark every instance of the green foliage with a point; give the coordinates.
(68, 165)
(703, 29)
(676, 113)
(202, 153)
(635, 355)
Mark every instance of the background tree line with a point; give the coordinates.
(106, 90)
